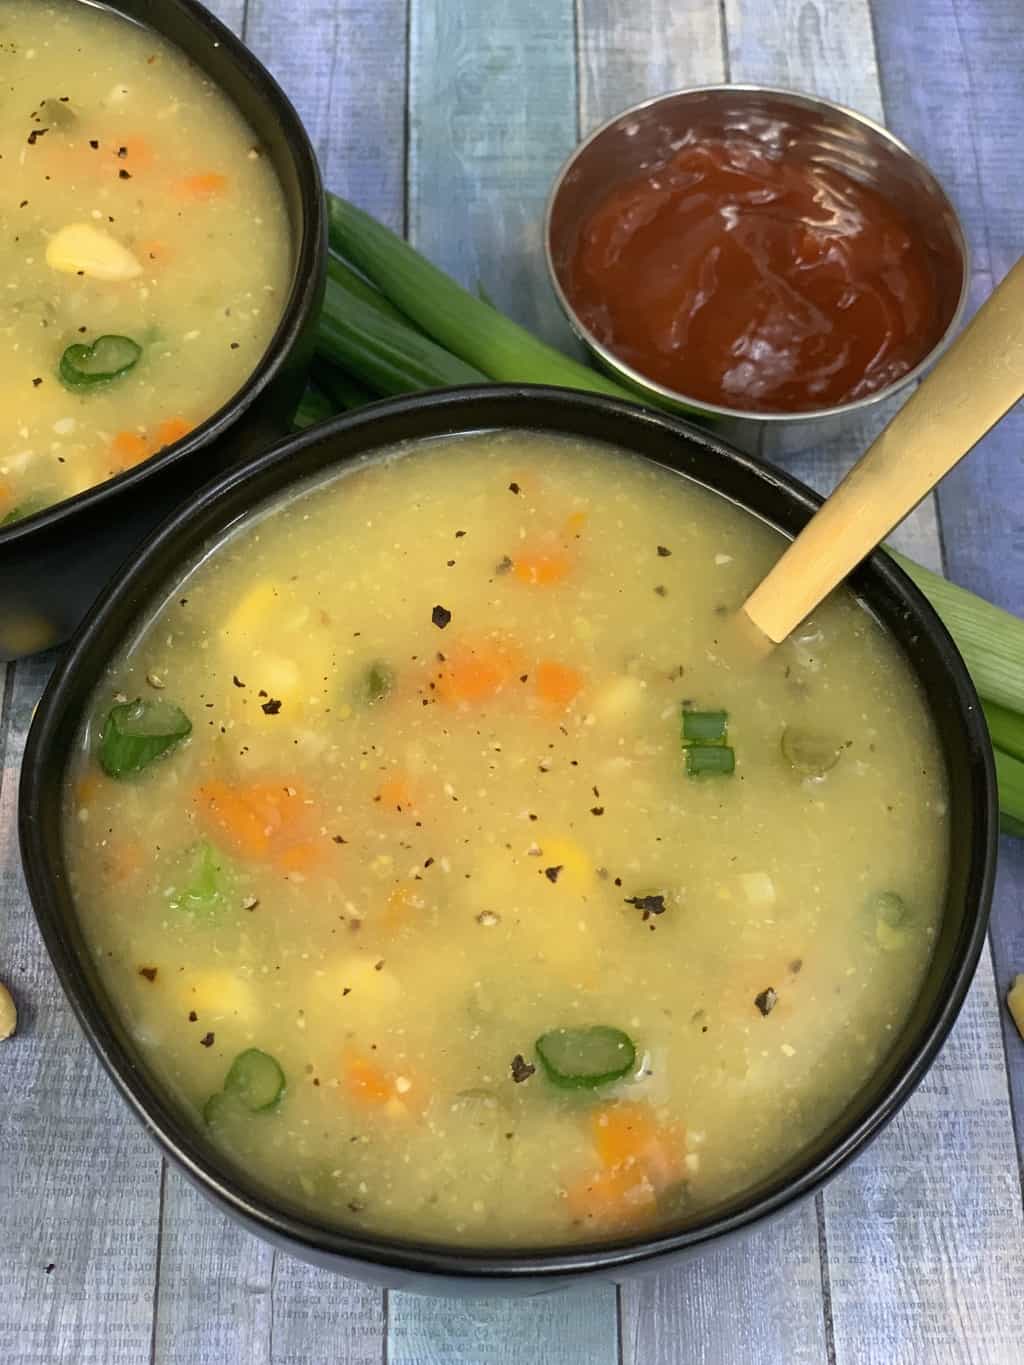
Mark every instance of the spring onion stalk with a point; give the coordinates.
(1005, 728)
(990, 639)
(457, 319)
(356, 284)
(385, 355)
(1010, 777)
(314, 406)
(342, 390)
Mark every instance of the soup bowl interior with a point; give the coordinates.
(769, 495)
(53, 562)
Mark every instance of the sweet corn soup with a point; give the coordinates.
(461, 874)
(144, 246)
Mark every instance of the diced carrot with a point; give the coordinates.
(611, 1199)
(203, 186)
(124, 860)
(395, 793)
(628, 1135)
(557, 683)
(367, 1082)
(474, 673)
(171, 429)
(305, 856)
(129, 448)
(541, 568)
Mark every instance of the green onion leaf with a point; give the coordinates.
(87, 367)
(585, 1057)
(379, 681)
(705, 727)
(206, 876)
(136, 732)
(706, 760)
(255, 1079)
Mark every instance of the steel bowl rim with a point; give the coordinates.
(307, 244)
(674, 397)
(118, 605)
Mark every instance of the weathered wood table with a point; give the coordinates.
(448, 118)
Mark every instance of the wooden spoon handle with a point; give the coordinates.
(975, 383)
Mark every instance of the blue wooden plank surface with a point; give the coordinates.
(919, 1245)
(966, 120)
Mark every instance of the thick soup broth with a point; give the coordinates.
(496, 894)
(144, 245)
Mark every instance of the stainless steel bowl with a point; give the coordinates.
(818, 131)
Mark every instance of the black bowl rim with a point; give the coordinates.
(319, 1241)
(308, 244)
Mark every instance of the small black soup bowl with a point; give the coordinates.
(668, 442)
(53, 563)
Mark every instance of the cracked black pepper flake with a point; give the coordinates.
(650, 905)
(192, 1016)
(766, 1001)
(522, 1070)
(123, 174)
(36, 382)
(796, 964)
(450, 563)
(337, 838)
(459, 535)
(35, 135)
(503, 565)
(94, 144)
(597, 810)
(148, 972)
(552, 873)
(661, 590)
(122, 152)
(379, 966)
(206, 1040)
(513, 488)
(271, 707)
(440, 617)
(346, 990)
(663, 552)
(237, 680)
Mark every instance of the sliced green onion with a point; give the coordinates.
(386, 355)
(379, 681)
(136, 732)
(809, 752)
(255, 1080)
(457, 319)
(707, 760)
(206, 878)
(86, 367)
(990, 639)
(585, 1057)
(217, 1108)
(705, 727)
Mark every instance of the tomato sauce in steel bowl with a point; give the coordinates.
(745, 275)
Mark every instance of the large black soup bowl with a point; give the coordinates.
(52, 564)
(669, 442)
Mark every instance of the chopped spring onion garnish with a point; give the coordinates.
(86, 367)
(380, 679)
(136, 732)
(705, 727)
(585, 1057)
(808, 752)
(255, 1079)
(705, 760)
(205, 874)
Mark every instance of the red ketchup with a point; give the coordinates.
(737, 275)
